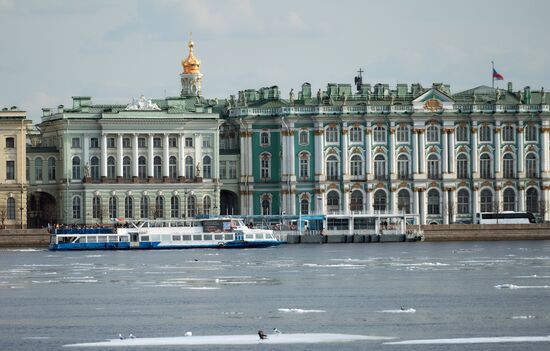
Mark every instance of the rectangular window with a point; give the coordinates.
(331, 135)
(172, 142)
(142, 143)
(10, 143)
(304, 168)
(355, 135)
(94, 143)
(232, 170)
(264, 138)
(304, 137)
(10, 170)
(402, 135)
(206, 142)
(157, 142)
(75, 143)
(223, 170)
(110, 143)
(126, 143)
(462, 133)
(188, 142)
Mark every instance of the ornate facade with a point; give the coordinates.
(443, 156)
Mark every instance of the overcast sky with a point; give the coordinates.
(117, 50)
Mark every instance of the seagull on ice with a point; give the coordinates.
(131, 336)
(120, 336)
(276, 331)
(188, 333)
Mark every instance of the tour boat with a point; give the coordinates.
(165, 234)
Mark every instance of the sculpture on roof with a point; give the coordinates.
(319, 96)
(498, 95)
(542, 96)
(291, 97)
(142, 104)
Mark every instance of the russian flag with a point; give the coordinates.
(497, 75)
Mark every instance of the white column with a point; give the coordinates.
(370, 196)
(368, 156)
(120, 155)
(475, 203)
(444, 204)
(181, 155)
(393, 152)
(319, 142)
(347, 192)
(544, 153)
(415, 203)
(135, 156)
(198, 152)
(454, 200)
(292, 170)
(166, 155)
(103, 155)
(415, 151)
(521, 160)
(86, 150)
(344, 153)
(452, 159)
(422, 205)
(521, 199)
(546, 199)
(150, 156)
(445, 151)
(393, 197)
(498, 167)
(474, 159)
(422, 143)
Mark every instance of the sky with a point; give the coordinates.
(114, 51)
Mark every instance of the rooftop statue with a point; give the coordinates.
(142, 104)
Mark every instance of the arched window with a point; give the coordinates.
(94, 168)
(333, 168)
(531, 133)
(38, 168)
(508, 166)
(485, 133)
(462, 167)
(157, 167)
(173, 168)
(379, 134)
(403, 166)
(507, 133)
(463, 202)
(76, 207)
(356, 201)
(333, 201)
(531, 165)
(486, 200)
(433, 202)
(356, 165)
(51, 168)
(304, 205)
(304, 137)
(533, 200)
(485, 166)
(380, 200)
(191, 206)
(189, 169)
(142, 168)
(175, 207)
(207, 167)
(96, 207)
(264, 138)
(76, 168)
(126, 168)
(380, 167)
(10, 208)
(128, 207)
(432, 134)
(144, 207)
(509, 203)
(304, 165)
(111, 167)
(266, 205)
(206, 204)
(159, 207)
(112, 207)
(433, 167)
(404, 201)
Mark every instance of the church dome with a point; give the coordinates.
(191, 64)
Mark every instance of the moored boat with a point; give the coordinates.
(165, 234)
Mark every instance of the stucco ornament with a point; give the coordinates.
(142, 104)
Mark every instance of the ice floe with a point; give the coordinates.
(298, 310)
(495, 339)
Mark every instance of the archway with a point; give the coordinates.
(229, 203)
(41, 210)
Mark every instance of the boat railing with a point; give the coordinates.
(83, 231)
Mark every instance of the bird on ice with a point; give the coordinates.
(120, 336)
(276, 331)
(131, 336)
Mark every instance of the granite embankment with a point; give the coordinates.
(24, 238)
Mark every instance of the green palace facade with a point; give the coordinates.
(382, 149)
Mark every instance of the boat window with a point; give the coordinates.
(197, 237)
(144, 238)
(259, 236)
(155, 237)
(124, 239)
(77, 240)
(249, 236)
(176, 237)
(165, 238)
(228, 236)
(92, 239)
(113, 239)
(207, 236)
(218, 237)
(186, 237)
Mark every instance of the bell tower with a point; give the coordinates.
(191, 78)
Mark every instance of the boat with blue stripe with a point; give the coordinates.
(226, 233)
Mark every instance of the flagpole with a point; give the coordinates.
(492, 74)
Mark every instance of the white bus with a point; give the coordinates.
(504, 218)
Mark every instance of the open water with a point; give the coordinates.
(448, 290)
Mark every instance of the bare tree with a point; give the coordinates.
(542, 209)
(497, 208)
(450, 211)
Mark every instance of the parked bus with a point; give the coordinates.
(505, 218)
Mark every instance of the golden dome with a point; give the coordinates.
(191, 64)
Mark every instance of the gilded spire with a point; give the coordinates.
(191, 64)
